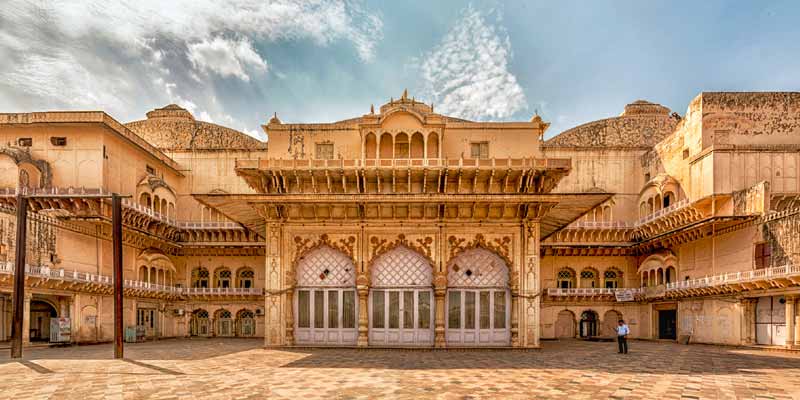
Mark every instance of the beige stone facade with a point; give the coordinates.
(405, 227)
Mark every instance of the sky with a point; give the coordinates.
(237, 62)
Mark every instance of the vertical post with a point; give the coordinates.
(19, 277)
(116, 233)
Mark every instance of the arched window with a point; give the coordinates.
(565, 278)
(433, 145)
(588, 278)
(670, 274)
(222, 276)
(247, 278)
(200, 277)
(669, 199)
(417, 146)
(612, 278)
(401, 146)
(245, 323)
(224, 322)
(660, 276)
(370, 147)
(386, 147)
(144, 199)
(199, 324)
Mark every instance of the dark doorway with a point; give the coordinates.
(667, 324)
(588, 327)
(40, 314)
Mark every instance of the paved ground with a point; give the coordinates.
(222, 369)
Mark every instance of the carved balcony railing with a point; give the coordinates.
(767, 278)
(404, 162)
(662, 212)
(589, 292)
(104, 283)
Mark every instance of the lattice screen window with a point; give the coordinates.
(477, 268)
(587, 274)
(201, 314)
(611, 279)
(247, 278)
(245, 314)
(200, 278)
(326, 266)
(224, 314)
(401, 266)
(566, 279)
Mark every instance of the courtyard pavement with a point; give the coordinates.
(241, 368)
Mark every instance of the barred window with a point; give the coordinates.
(324, 151)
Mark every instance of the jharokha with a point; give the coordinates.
(405, 227)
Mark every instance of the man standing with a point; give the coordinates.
(622, 337)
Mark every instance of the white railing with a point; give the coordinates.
(208, 225)
(149, 211)
(602, 224)
(589, 291)
(222, 291)
(404, 162)
(736, 277)
(85, 277)
(664, 211)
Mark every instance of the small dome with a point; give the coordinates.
(173, 111)
(274, 119)
(643, 107)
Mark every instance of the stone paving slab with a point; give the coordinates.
(242, 369)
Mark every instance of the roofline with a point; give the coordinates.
(90, 117)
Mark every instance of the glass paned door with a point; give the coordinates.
(401, 317)
(478, 317)
(325, 316)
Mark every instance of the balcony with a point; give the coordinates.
(590, 292)
(662, 212)
(63, 279)
(767, 278)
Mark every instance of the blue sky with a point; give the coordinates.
(237, 62)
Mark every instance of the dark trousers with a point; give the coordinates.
(622, 340)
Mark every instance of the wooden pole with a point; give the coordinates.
(116, 233)
(18, 306)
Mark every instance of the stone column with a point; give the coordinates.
(363, 315)
(275, 279)
(439, 339)
(748, 315)
(26, 319)
(525, 299)
(796, 323)
(790, 320)
(440, 289)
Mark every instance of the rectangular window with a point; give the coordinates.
(333, 309)
(408, 309)
(378, 309)
(25, 142)
(499, 310)
(319, 309)
(485, 310)
(763, 255)
(303, 309)
(58, 141)
(469, 310)
(348, 309)
(454, 310)
(479, 150)
(424, 300)
(394, 310)
(324, 151)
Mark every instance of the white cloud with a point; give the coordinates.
(226, 57)
(466, 75)
(118, 55)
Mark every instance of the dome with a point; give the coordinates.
(174, 128)
(641, 124)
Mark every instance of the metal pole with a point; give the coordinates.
(116, 233)
(18, 307)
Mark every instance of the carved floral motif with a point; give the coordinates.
(303, 245)
(423, 245)
(500, 245)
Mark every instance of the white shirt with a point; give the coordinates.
(622, 330)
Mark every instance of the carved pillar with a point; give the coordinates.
(363, 315)
(26, 319)
(275, 308)
(526, 285)
(362, 286)
(796, 322)
(748, 310)
(790, 320)
(439, 289)
(289, 313)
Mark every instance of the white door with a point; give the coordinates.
(326, 316)
(771, 321)
(401, 317)
(478, 317)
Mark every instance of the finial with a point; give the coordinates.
(372, 108)
(391, 100)
(405, 94)
(274, 119)
(431, 106)
(413, 101)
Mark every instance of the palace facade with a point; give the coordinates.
(404, 227)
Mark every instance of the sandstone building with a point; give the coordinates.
(405, 227)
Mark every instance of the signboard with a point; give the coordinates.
(657, 291)
(60, 330)
(624, 295)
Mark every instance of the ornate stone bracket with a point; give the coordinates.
(21, 155)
